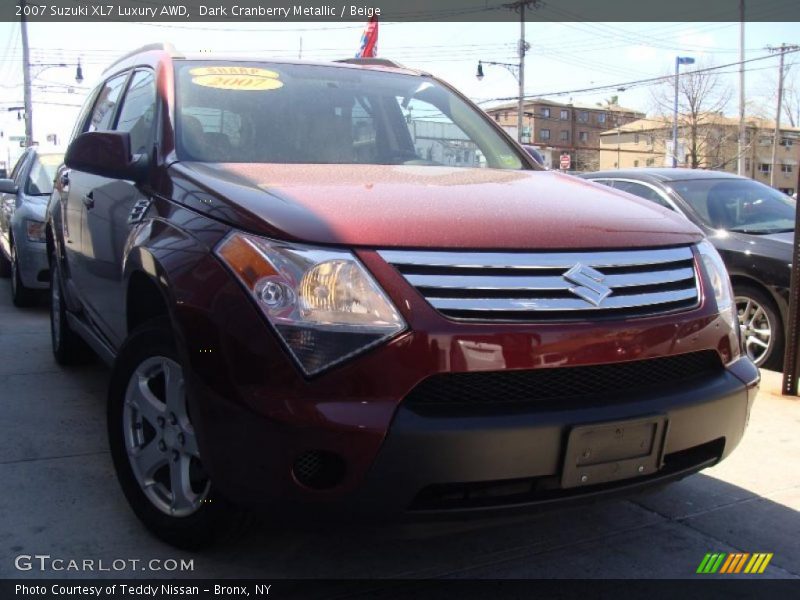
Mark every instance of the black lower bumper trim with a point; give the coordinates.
(544, 490)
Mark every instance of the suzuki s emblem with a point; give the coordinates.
(589, 284)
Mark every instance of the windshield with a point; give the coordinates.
(286, 113)
(740, 205)
(42, 174)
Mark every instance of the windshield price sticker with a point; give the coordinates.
(236, 78)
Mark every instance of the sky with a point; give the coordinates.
(563, 57)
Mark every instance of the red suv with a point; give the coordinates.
(342, 289)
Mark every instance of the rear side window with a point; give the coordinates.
(643, 191)
(137, 115)
(105, 104)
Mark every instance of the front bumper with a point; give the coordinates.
(34, 268)
(431, 466)
(440, 466)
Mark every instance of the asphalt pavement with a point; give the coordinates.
(60, 498)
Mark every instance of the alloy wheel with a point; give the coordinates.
(756, 328)
(160, 440)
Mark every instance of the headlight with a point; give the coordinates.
(324, 305)
(717, 276)
(35, 231)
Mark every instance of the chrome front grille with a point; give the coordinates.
(533, 286)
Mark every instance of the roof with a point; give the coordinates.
(665, 122)
(661, 174)
(168, 50)
(578, 105)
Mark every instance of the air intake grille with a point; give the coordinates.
(508, 286)
(563, 383)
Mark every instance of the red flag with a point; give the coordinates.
(369, 40)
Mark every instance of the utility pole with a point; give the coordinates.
(740, 163)
(522, 49)
(520, 6)
(26, 77)
(776, 137)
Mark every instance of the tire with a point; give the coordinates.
(153, 443)
(5, 265)
(21, 296)
(68, 347)
(759, 315)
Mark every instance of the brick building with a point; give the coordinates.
(557, 128)
(647, 143)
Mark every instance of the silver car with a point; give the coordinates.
(23, 201)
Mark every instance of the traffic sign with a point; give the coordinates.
(564, 162)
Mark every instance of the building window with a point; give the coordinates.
(786, 168)
(601, 117)
(564, 135)
(544, 134)
(583, 117)
(746, 164)
(564, 114)
(545, 112)
(583, 136)
(765, 140)
(651, 162)
(505, 116)
(636, 163)
(635, 138)
(787, 142)
(764, 168)
(497, 117)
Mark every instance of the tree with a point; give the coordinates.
(702, 99)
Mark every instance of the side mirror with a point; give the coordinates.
(108, 154)
(7, 186)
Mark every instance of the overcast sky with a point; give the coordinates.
(563, 57)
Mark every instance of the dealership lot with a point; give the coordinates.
(60, 498)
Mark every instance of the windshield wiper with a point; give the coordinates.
(749, 231)
(760, 231)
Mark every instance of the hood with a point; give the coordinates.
(775, 245)
(426, 207)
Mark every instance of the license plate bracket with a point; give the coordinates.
(605, 452)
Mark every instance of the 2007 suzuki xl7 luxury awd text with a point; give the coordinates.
(342, 289)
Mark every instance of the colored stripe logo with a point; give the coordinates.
(737, 562)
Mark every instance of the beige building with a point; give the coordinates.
(648, 143)
(556, 128)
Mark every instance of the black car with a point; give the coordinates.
(535, 153)
(751, 225)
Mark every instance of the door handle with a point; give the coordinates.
(88, 200)
(65, 179)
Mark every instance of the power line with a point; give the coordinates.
(635, 83)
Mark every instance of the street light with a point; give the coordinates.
(44, 66)
(679, 60)
(516, 71)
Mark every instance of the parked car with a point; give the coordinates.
(307, 314)
(752, 227)
(23, 202)
(535, 153)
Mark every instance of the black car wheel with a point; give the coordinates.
(762, 328)
(154, 448)
(5, 265)
(68, 347)
(20, 295)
